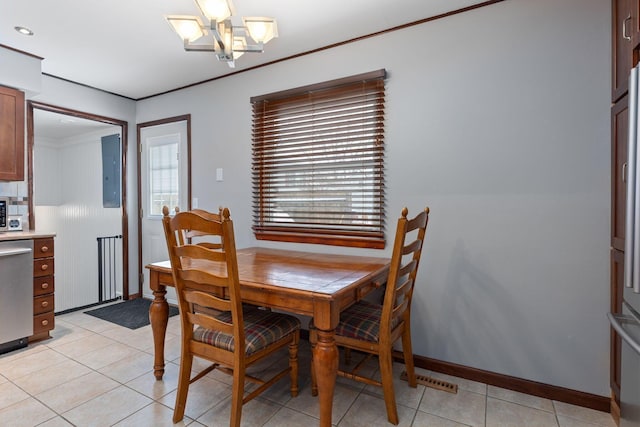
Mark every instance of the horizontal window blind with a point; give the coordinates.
(318, 163)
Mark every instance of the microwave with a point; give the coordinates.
(4, 213)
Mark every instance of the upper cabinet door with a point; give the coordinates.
(625, 37)
(11, 134)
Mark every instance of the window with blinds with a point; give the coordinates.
(318, 163)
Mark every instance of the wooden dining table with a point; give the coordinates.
(307, 283)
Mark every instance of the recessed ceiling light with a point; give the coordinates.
(24, 31)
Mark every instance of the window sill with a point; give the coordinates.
(332, 240)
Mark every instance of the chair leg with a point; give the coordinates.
(407, 352)
(386, 374)
(293, 363)
(186, 361)
(347, 355)
(314, 380)
(236, 395)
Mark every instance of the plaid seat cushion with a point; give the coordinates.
(261, 329)
(361, 321)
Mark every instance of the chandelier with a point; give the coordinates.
(229, 42)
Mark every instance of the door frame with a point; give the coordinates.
(139, 127)
(31, 105)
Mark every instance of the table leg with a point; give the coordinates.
(159, 318)
(325, 362)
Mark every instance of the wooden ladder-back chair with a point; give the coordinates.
(374, 328)
(214, 325)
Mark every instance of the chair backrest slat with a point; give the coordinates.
(197, 276)
(399, 309)
(412, 247)
(204, 299)
(201, 252)
(408, 268)
(210, 322)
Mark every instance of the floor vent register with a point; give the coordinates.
(432, 382)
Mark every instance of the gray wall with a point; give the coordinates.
(498, 119)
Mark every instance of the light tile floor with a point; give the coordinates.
(95, 373)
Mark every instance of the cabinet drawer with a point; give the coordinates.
(43, 304)
(42, 248)
(43, 285)
(43, 323)
(43, 267)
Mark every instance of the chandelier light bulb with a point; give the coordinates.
(215, 10)
(187, 27)
(259, 30)
(189, 31)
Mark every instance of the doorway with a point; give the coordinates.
(49, 205)
(164, 162)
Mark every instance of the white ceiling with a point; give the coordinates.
(126, 47)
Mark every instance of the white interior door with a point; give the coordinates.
(164, 181)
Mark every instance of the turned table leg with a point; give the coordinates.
(159, 318)
(325, 362)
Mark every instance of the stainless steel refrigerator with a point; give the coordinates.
(627, 323)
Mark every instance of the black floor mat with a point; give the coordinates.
(131, 314)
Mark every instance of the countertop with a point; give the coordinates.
(24, 235)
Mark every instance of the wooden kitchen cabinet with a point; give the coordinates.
(625, 38)
(43, 288)
(11, 134)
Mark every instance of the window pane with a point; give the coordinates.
(163, 179)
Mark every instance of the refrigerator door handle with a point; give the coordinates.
(631, 180)
(616, 321)
(635, 281)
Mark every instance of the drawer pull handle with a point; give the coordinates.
(44, 285)
(44, 249)
(45, 322)
(44, 267)
(44, 303)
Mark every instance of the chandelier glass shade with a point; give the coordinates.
(228, 42)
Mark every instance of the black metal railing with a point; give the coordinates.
(109, 247)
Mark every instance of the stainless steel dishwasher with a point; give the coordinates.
(16, 294)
